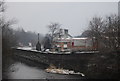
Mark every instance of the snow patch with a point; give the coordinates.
(25, 48)
(63, 71)
(53, 69)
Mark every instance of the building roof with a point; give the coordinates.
(81, 38)
(63, 41)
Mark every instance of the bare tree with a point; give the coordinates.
(112, 31)
(118, 32)
(1, 13)
(96, 27)
(106, 31)
(47, 42)
(2, 8)
(8, 37)
(54, 29)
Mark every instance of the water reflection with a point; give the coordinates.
(20, 70)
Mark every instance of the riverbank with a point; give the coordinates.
(103, 65)
(23, 69)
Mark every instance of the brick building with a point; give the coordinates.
(65, 42)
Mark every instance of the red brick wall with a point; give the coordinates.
(69, 46)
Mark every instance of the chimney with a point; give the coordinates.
(66, 31)
(61, 31)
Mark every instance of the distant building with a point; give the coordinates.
(65, 42)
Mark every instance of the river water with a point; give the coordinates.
(23, 70)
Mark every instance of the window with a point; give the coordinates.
(65, 46)
(65, 42)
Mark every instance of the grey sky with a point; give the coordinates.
(74, 16)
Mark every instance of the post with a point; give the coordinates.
(38, 36)
(38, 45)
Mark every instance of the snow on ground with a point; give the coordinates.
(28, 49)
(25, 48)
(53, 69)
(88, 52)
(48, 51)
(63, 71)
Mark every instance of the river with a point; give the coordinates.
(31, 70)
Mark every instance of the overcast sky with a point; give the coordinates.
(75, 16)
